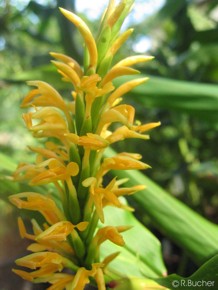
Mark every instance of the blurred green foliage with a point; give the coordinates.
(182, 92)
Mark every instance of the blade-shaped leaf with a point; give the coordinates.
(188, 97)
(186, 228)
(6, 163)
(141, 255)
(206, 277)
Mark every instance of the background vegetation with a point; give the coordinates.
(182, 93)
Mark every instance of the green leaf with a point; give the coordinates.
(196, 235)
(7, 166)
(206, 277)
(47, 73)
(141, 256)
(6, 163)
(191, 98)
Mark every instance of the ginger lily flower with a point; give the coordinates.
(70, 168)
(37, 202)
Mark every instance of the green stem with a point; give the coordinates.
(78, 245)
(70, 264)
(80, 112)
(85, 173)
(92, 227)
(73, 203)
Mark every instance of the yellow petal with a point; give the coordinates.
(108, 11)
(72, 168)
(37, 202)
(115, 15)
(128, 190)
(44, 95)
(122, 162)
(120, 40)
(117, 72)
(36, 260)
(131, 60)
(110, 117)
(110, 233)
(146, 127)
(69, 61)
(86, 33)
(35, 247)
(123, 133)
(23, 274)
(22, 230)
(44, 152)
(57, 232)
(123, 89)
(127, 111)
(81, 279)
(109, 258)
(89, 82)
(99, 278)
(68, 72)
(60, 281)
(93, 142)
(82, 226)
(88, 181)
(72, 137)
(28, 119)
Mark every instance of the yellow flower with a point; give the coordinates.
(51, 123)
(92, 90)
(37, 260)
(110, 233)
(58, 281)
(37, 202)
(123, 133)
(145, 127)
(44, 264)
(44, 95)
(131, 60)
(23, 232)
(98, 195)
(87, 35)
(62, 247)
(125, 88)
(122, 67)
(82, 277)
(60, 231)
(123, 114)
(56, 171)
(107, 196)
(26, 172)
(93, 142)
(69, 61)
(69, 74)
(103, 234)
(51, 151)
(122, 161)
(118, 71)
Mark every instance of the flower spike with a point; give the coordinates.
(70, 180)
